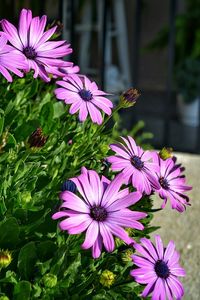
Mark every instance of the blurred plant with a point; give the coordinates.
(187, 78)
(187, 49)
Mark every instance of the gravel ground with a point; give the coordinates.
(184, 228)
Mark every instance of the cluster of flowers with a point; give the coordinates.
(93, 203)
(101, 208)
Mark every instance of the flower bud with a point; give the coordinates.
(4, 298)
(126, 255)
(26, 197)
(107, 278)
(37, 139)
(70, 142)
(5, 258)
(49, 280)
(165, 153)
(68, 185)
(129, 97)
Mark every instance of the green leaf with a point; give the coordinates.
(33, 88)
(59, 110)
(46, 250)
(9, 107)
(1, 125)
(26, 260)
(10, 277)
(3, 207)
(22, 290)
(72, 270)
(9, 233)
(11, 139)
(46, 117)
(33, 226)
(3, 156)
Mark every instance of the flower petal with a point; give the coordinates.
(108, 240)
(124, 202)
(91, 235)
(97, 247)
(112, 190)
(159, 246)
(73, 202)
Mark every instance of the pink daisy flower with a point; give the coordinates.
(85, 97)
(64, 72)
(159, 269)
(172, 183)
(101, 210)
(136, 165)
(70, 70)
(31, 40)
(9, 59)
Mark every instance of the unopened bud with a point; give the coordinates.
(26, 197)
(126, 255)
(68, 185)
(5, 258)
(129, 97)
(37, 139)
(49, 280)
(107, 278)
(165, 153)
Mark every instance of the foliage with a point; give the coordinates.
(47, 263)
(187, 49)
(188, 79)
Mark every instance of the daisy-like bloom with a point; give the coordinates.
(172, 183)
(136, 164)
(9, 59)
(85, 97)
(31, 40)
(159, 269)
(70, 70)
(63, 72)
(101, 210)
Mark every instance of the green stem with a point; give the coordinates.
(99, 130)
(123, 282)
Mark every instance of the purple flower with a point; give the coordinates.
(85, 97)
(70, 70)
(159, 269)
(136, 164)
(9, 59)
(100, 210)
(31, 40)
(64, 72)
(172, 183)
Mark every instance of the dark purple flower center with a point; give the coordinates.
(164, 183)
(161, 269)
(29, 52)
(98, 213)
(85, 95)
(137, 163)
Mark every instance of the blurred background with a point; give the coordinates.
(151, 45)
